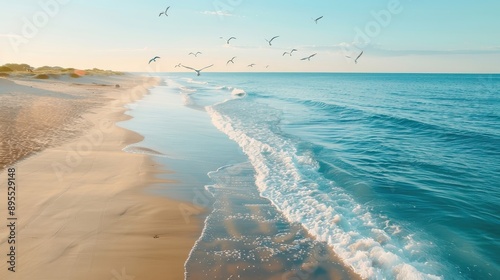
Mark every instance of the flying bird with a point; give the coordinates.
(356, 60)
(231, 60)
(227, 42)
(316, 20)
(153, 59)
(269, 41)
(289, 53)
(251, 65)
(178, 65)
(197, 70)
(195, 54)
(309, 57)
(165, 12)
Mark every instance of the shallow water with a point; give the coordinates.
(397, 173)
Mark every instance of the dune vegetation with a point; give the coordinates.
(47, 72)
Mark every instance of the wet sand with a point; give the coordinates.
(246, 238)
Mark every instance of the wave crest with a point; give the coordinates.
(238, 92)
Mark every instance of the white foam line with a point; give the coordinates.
(372, 255)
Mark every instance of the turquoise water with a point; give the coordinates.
(398, 173)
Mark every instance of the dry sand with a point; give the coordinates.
(80, 206)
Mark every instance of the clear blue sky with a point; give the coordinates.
(394, 35)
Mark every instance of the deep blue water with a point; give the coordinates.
(398, 173)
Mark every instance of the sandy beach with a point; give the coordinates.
(242, 140)
(81, 209)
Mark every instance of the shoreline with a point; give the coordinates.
(241, 225)
(92, 220)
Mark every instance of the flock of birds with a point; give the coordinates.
(195, 54)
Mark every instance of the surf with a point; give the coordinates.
(374, 246)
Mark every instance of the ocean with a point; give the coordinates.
(397, 174)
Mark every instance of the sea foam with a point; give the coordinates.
(238, 92)
(370, 244)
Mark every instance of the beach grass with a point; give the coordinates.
(48, 72)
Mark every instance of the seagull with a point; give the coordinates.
(251, 65)
(267, 66)
(231, 60)
(269, 41)
(197, 70)
(289, 53)
(356, 60)
(165, 13)
(195, 54)
(178, 65)
(227, 42)
(316, 20)
(309, 57)
(153, 59)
